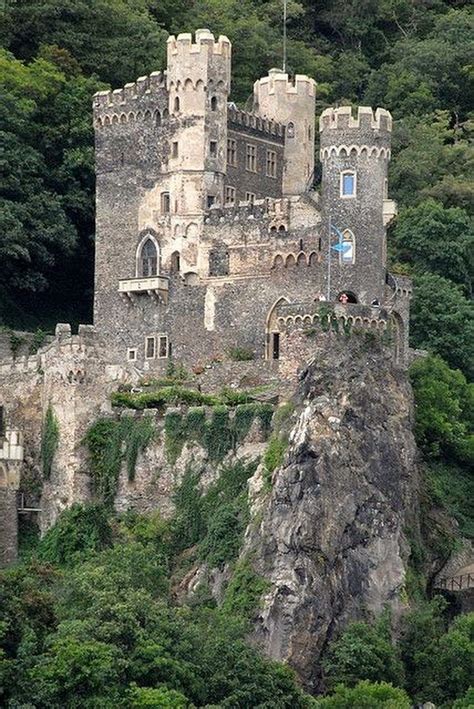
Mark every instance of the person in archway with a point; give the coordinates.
(343, 298)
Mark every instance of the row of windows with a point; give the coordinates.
(251, 163)
(230, 196)
(177, 104)
(156, 347)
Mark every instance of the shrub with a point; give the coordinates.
(241, 354)
(365, 695)
(49, 440)
(242, 596)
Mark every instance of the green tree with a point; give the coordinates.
(436, 239)
(363, 651)
(366, 695)
(441, 320)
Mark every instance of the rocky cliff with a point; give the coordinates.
(329, 536)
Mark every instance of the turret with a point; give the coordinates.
(291, 102)
(198, 81)
(355, 152)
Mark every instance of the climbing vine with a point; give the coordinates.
(49, 440)
(219, 434)
(110, 443)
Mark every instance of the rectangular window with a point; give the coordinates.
(131, 354)
(165, 203)
(150, 347)
(275, 345)
(250, 197)
(174, 151)
(231, 152)
(213, 148)
(251, 158)
(348, 184)
(162, 346)
(230, 195)
(271, 163)
(210, 200)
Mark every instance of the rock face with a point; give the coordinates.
(329, 536)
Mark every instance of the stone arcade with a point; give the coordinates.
(210, 238)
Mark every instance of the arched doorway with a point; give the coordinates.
(347, 296)
(272, 332)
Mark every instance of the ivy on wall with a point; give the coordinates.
(112, 442)
(49, 440)
(219, 434)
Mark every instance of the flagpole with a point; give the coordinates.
(329, 260)
(284, 33)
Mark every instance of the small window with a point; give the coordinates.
(211, 200)
(175, 262)
(290, 130)
(213, 148)
(150, 346)
(214, 103)
(230, 195)
(385, 189)
(162, 346)
(251, 158)
(309, 133)
(2, 422)
(275, 345)
(348, 247)
(176, 104)
(165, 203)
(231, 152)
(348, 184)
(149, 259)
(271, 163)
(174, 150)
(250, 197)
(131, 354)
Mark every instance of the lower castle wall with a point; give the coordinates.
(8, 526)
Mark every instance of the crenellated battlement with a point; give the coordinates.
(145, 100)
(205, 43)
(278, 82)
(143, 86)
(237, 118)
(261, 210)
(342, 119)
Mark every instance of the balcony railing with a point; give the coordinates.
(153, 286)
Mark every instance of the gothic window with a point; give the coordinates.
(231, 152)
(348, 184)
(251, 158)
(165, 203)
(176, 104)
(348, 247)
(229, 195)
(149, 259)
(214, 103)
(271, 163)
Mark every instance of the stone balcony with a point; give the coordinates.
(154, 286)
(389, 210)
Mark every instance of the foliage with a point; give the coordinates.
(444, 420)
(366, 695)
(274, 453)
(243, 594)
(364, 652)
(172, 395)
(240, 354)
(110, 442)
(79, 532)
(38, 340)
(49, 440)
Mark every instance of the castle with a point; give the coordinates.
(211, 246)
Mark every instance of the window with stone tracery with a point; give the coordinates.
(149, 259)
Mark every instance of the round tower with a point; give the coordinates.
(198, 82)
(355, 152)
(291, 102)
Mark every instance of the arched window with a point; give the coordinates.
(348, 247)
(348, 183)
(214, 103)
(175, 262)
(290, 130)
(149, 259)
(176, 104)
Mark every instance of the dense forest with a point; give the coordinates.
(89, 618)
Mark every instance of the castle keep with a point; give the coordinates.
(210, 240)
